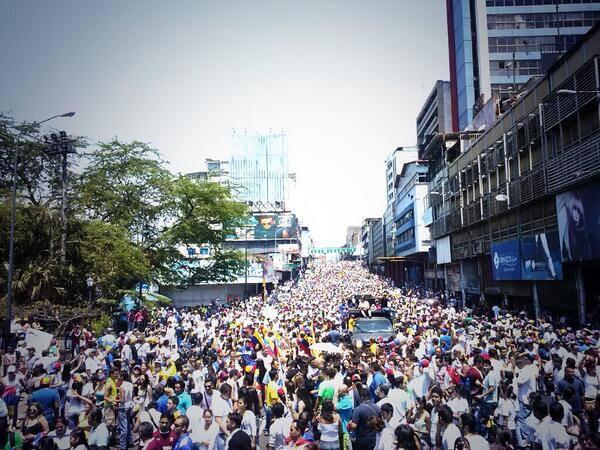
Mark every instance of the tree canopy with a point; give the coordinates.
(130, 220)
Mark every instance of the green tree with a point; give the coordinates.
(128, 184)
(204, 214)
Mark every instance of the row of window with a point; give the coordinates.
(405, 218)
(542, 20)
(406, 236)
(492, 3)
(527, 44)
(521, 67)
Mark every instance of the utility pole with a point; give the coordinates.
(246, 266)
(13, 214)
(60, 144)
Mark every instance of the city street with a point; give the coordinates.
(279, 225)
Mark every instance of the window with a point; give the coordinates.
(529, 67)
(405, 218)
(493, 3)
(406, 236)
(542, 20)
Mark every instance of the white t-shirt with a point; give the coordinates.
(220, 406)
(592, 384)
(526, 382)
(551, 435)
(400, 400)
(477, 442)
(92, 365)
(99, 436)
(458, 406)
(449, 437)
(508, 408)
(63, 443)
(14, 383)
(248, 425)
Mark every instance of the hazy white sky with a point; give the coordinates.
(345, 80)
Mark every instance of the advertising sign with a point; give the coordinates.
(506, 261)
(540, 257)
(578, 214)
(276, 226)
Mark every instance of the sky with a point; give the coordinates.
(345, 79)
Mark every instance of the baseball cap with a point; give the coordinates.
(11, 369)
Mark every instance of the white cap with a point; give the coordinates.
(11, 369)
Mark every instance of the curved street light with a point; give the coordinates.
(13, 212)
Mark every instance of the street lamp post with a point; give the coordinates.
(13, 214)
(90, 285)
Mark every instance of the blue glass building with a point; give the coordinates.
(496, 46)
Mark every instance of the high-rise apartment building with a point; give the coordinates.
(495, 46)
(435, 116)
(259, 166)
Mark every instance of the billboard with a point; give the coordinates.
(506, 261)
(578, 214)
(540, 257)
(276, 226)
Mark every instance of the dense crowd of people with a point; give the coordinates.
(283, 374)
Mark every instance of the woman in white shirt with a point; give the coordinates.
(457, 403)
(329, 425)
(248, 425)
(205, 434)
(591, 380)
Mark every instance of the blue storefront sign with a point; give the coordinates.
(506, 261)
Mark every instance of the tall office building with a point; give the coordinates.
(393, 166)
(495, 46)
(259, 167)
(435, 116)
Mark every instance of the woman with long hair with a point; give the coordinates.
(206, 436)
(406, 438)
(78, 440)
(259, 377)
(34, 426)
(328, 424)
(142, 391)
(420, 419)
(576, 245)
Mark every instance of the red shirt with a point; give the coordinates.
(162, 441)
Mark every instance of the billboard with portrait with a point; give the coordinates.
(540, 257)
(578, 214)
(276, 226)
(506, 262)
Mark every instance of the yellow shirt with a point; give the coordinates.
(271, 395)
(351, 322)
(374, 348)
(111, 390)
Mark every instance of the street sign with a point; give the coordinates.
(322, 250)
